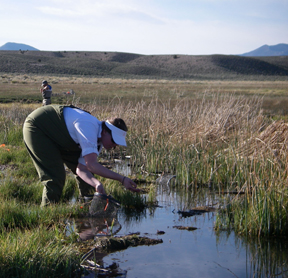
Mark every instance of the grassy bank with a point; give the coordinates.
(33, 240)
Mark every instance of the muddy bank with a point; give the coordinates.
(111, 244)
(92, 260)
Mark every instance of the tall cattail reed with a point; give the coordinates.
(221, 141)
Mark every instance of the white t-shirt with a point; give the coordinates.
(84, 129)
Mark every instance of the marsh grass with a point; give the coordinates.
(215, 140)
(191, 137)
(128, 200)
(37, 253)
(21, 214)
(202, 144)
(261, 211)
(33, 241)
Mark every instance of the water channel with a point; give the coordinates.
(199, 252)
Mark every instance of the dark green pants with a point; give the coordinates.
(50, 147)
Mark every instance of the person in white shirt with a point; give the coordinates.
(55, 135)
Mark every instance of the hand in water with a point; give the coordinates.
(130, 185)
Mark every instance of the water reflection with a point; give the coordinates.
(187, 253)
(90, 227)
(267, 256)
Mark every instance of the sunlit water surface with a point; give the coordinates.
(198, 253)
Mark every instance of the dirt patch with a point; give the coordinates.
(7, 167)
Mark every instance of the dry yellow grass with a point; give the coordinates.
(272, 142)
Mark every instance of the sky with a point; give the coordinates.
(152, 27)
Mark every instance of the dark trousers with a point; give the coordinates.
(50, 147)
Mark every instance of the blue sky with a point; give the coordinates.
(194, 27)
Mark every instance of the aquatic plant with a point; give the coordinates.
(127, 199)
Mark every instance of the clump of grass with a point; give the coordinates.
(11, 119)
(37, 253)
(22, 184)
(261, 210)
(15, 214)
(21, 189)
(127, 199)
(262, 160)
(33, 240)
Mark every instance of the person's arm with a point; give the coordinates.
(95, 167)
(88, 177)
(43, 91)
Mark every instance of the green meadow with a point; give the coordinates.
(228, 135)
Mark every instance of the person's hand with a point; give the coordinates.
(130, 185)
(100, 188)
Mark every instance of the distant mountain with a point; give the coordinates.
(269, 50)
(17, 46)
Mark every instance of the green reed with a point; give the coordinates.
(261, 210)
(127, 199)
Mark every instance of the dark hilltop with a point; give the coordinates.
(129, 65)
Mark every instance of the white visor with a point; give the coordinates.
(118, 134)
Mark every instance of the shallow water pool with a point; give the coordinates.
(198, 253)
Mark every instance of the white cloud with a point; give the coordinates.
(146, 27)
(87, 8)
(58, 11)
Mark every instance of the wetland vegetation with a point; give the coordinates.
(228, 136)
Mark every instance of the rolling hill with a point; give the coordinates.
(129, 65)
